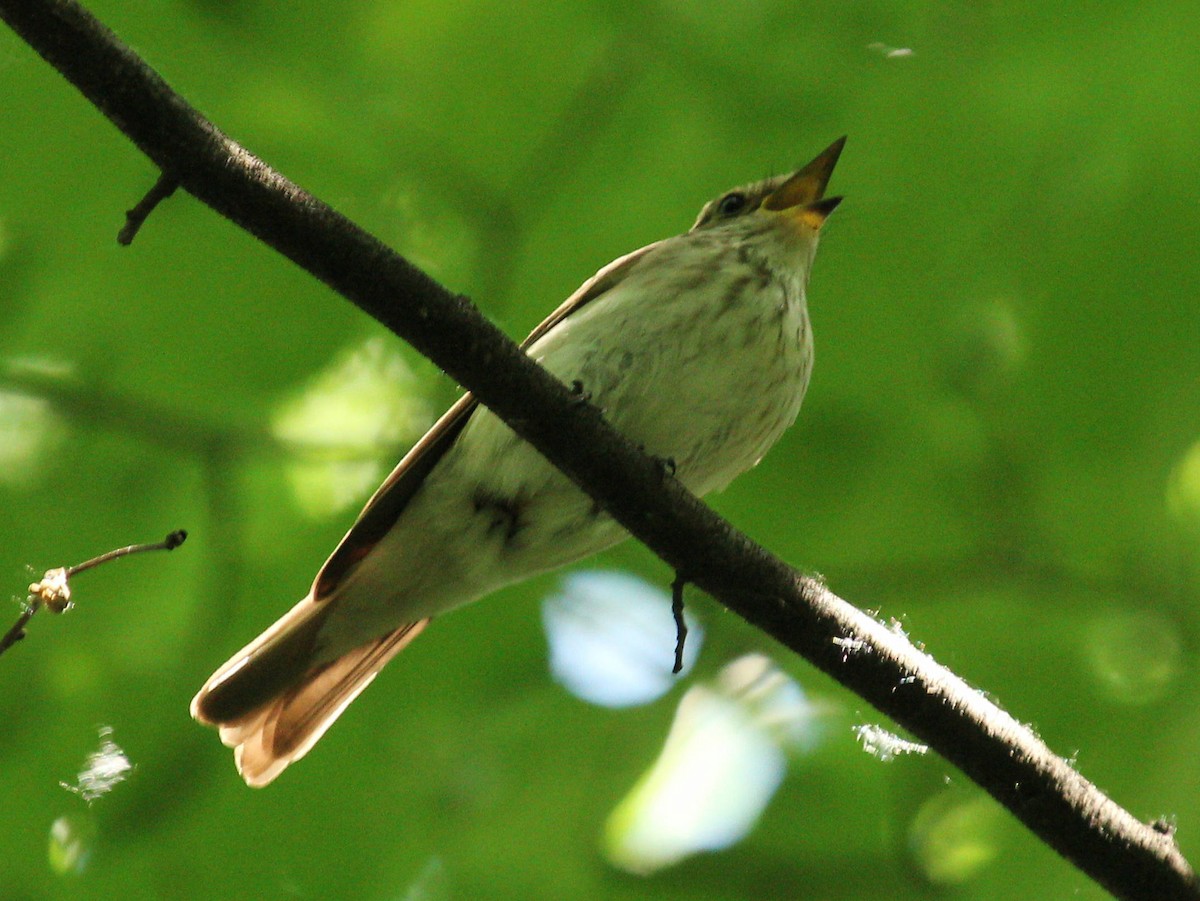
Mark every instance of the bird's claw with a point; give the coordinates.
(581, 395)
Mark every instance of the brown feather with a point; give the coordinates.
(262, 669)
(390, 499)
(283, 730)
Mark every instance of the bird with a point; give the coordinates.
(697, 347)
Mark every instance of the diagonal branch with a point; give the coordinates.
(1131, 859)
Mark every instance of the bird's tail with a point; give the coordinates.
(272, 703)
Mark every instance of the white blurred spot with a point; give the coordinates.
(612, 638)
(70, 845)
(850, 644)
(103, 770)
(886, 746)
(722, 761)
(889, 52)
(775, 700)
(343, 431)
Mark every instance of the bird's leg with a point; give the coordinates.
(581, 396)
(666, 465)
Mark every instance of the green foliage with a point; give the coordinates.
(999, 447)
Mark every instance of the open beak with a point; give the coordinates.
(803, 194)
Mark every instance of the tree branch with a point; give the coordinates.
(54, 589)
(1131, 859)
(160, 191)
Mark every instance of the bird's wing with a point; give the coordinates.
(389, 501)
(600, 283)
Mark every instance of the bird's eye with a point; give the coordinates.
(732, 204)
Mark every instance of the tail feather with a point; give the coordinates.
(286, 729)
(271, 704)
(264, 668)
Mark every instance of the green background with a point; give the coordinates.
(994, 449)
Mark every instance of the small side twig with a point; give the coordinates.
(54, 590)
(680, 626)
(172, 541)
(17, 632)
(162, 189)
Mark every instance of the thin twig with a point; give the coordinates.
(17, 632)
(163, 188)
(54, 592)
(169, 543)
(1128, 857)
(681, 629)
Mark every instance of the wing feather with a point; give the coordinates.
(389, 501)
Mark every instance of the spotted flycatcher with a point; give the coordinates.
(697, 347)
